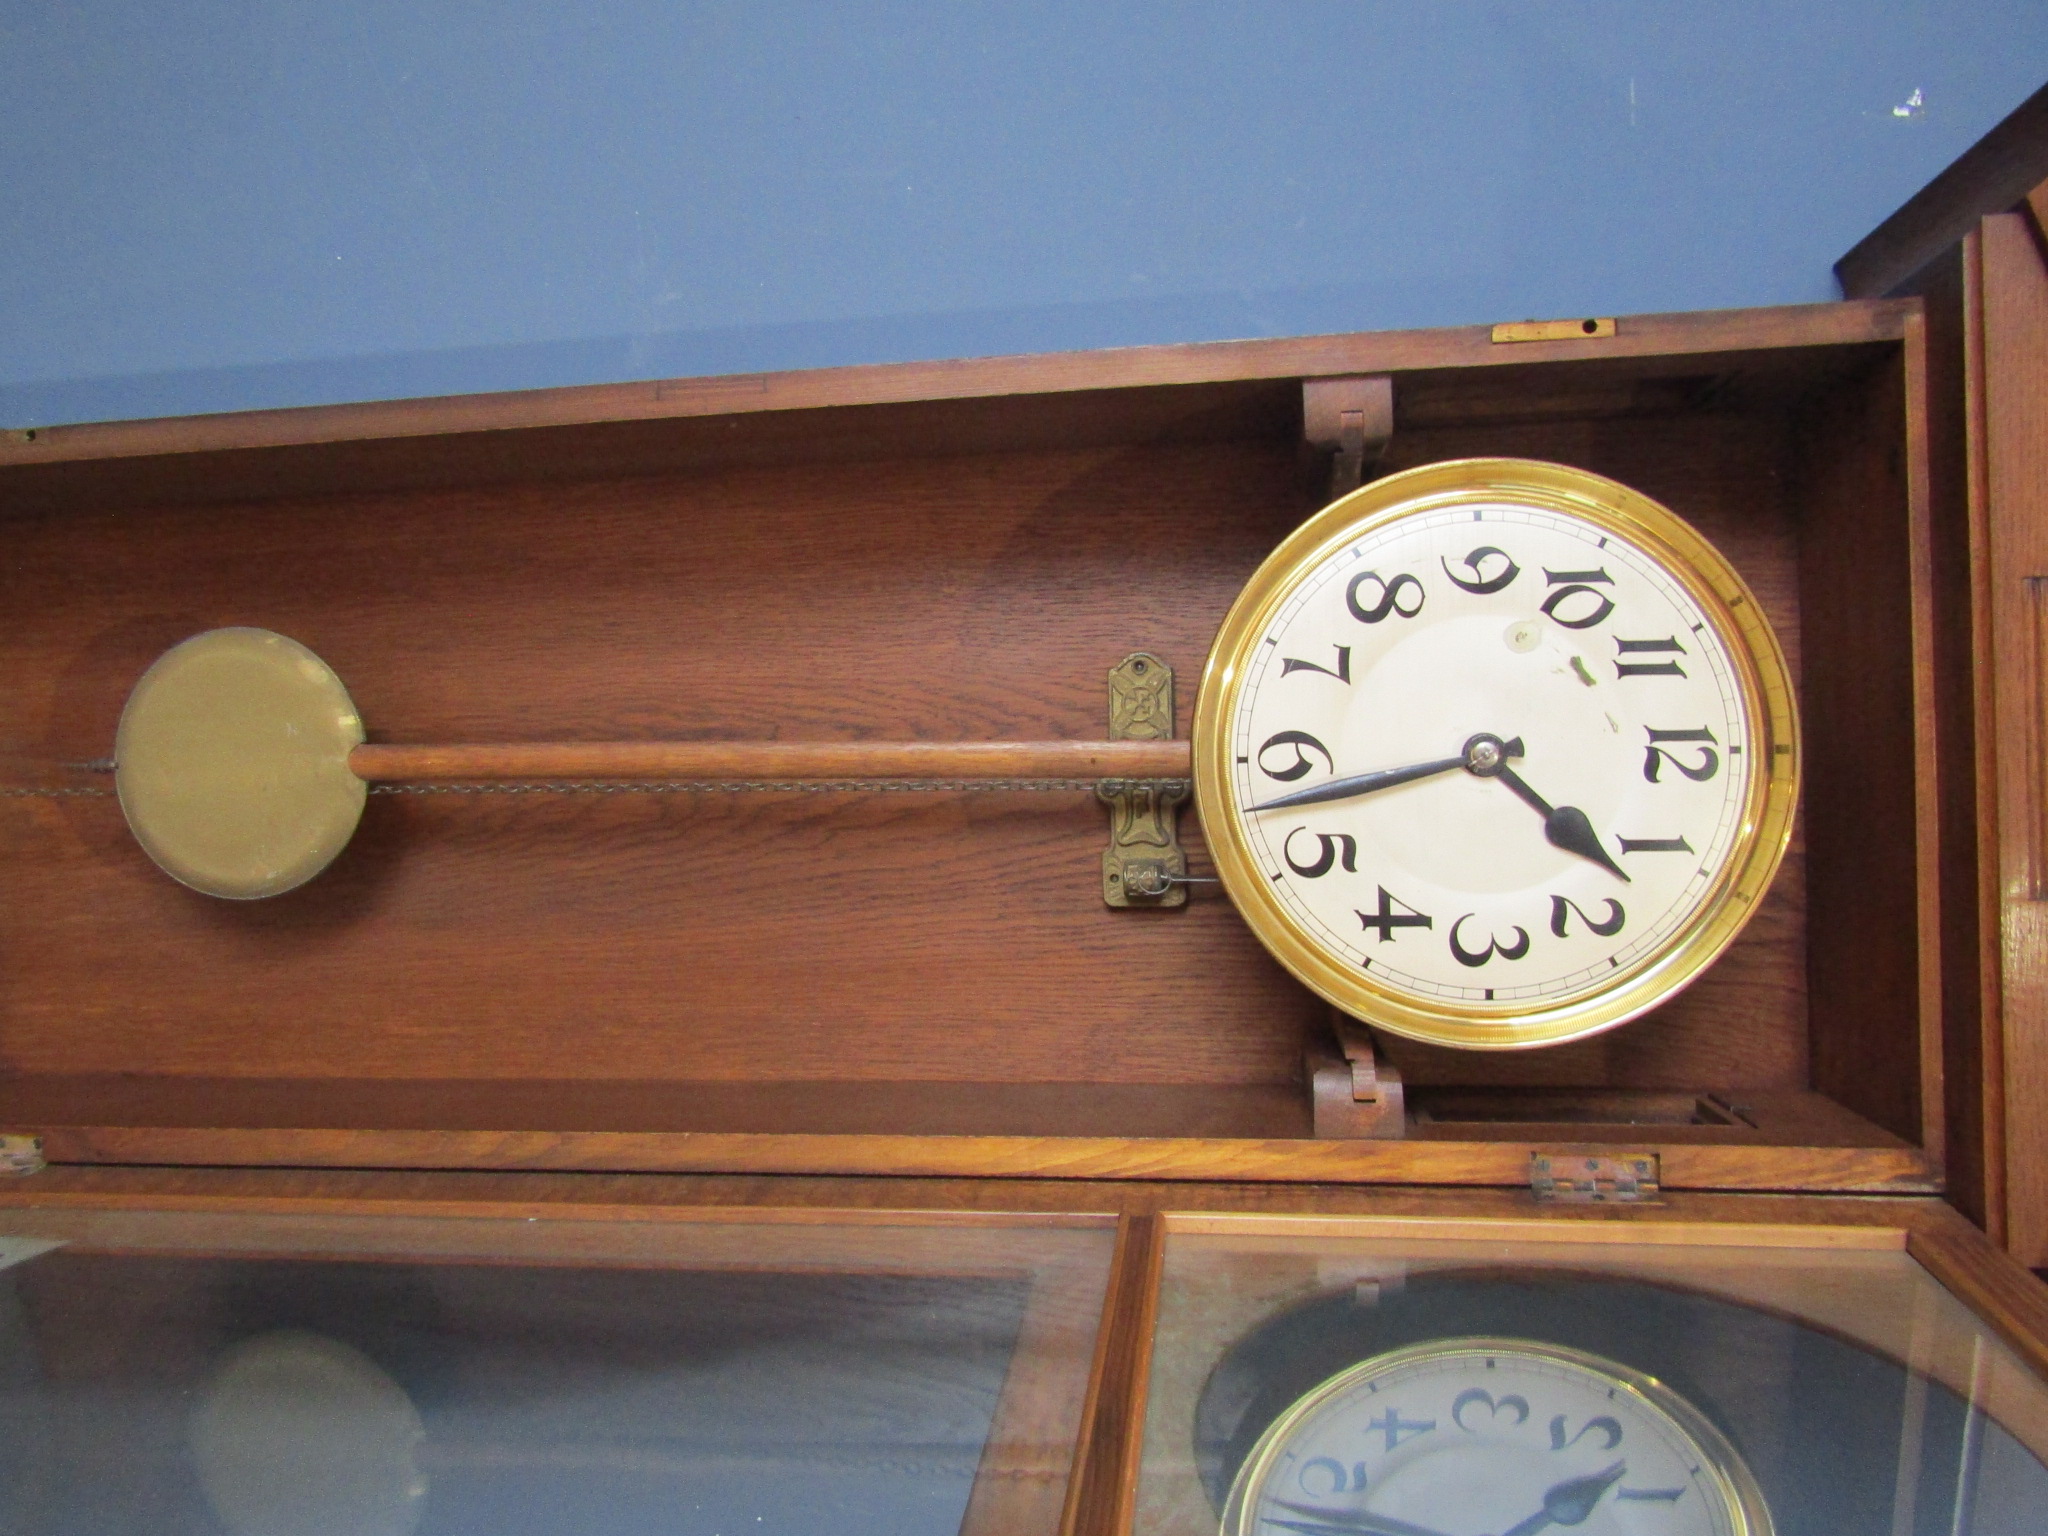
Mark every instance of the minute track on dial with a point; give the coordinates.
(1483, 755)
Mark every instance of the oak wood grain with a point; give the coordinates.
(1962, 778)
(110, 1199)
(1103, 1491)
(765, 937)
(1686, 1165)
(2014, 487)
(1871, 853)
(1120, 369)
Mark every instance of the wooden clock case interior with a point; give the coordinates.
(893, 982)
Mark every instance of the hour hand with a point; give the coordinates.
(1566, 826)
(1570, 1502)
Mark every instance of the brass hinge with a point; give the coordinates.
(1144, 864)
(20, 1156)
(1577, 1178)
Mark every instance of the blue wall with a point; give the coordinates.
(211, 206)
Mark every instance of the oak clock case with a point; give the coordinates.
(1496, 753)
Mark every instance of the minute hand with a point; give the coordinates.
(1566, 826)
(1362, 783)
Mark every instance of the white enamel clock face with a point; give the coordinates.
(1481, 1437)
(1481, 764)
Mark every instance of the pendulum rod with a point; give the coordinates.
(711, 762)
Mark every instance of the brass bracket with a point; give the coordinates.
(1352, 420)
(1357, 1094)
(1144, 864)
(20, 1156)
(1579, 1178)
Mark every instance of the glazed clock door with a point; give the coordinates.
(190, 1374)
(1347, 1377)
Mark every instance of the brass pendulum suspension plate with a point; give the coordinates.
(1144, 864)
(231, 762)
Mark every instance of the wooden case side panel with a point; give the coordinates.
(1866, 706)
(2012, 402)
(1964, 886)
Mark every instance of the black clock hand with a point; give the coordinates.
(1346, 1522)
(1569, 1502)
(1566, 826)
(1474, 758)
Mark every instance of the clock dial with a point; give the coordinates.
(1483, 1436)
(1496, 753)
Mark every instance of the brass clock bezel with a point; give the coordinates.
(1770, 797)
(1741, 1498)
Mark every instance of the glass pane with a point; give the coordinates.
(280, 1376)
(1339, 1379)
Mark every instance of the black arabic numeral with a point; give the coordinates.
(1607, 927)
(1340, 1480)
(1655, 757)
(1603, 1425)
(1343, 669)
(1393, 596)
(1399, 1429)
(1571, 584)
(1479, 1397)
(1478, 957)
(1481, 584)
(1303, 744)
(1387, 919)
(1647, 668)
(1328, 859)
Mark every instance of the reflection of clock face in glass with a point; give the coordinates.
(1506, 1437)
(1496, 753)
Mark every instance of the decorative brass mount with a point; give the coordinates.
(1144, 864)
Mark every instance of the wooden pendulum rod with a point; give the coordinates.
(712, 762)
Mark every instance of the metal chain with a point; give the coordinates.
(55, 794)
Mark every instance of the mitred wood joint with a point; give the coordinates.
(1351, 419)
